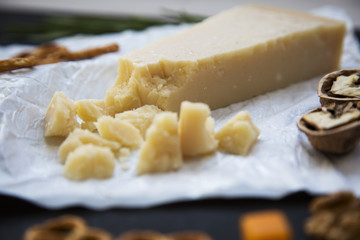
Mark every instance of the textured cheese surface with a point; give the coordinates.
(230, 57)
(196, 129)
(141, 117)
(120, 131)
(89, 110)
(90, 161)
(161, 152)
(238, 135)
(80, 137)
(60, 117)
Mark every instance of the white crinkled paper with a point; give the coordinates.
(281, 162)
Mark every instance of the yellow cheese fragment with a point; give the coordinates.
(120, 131)
(161, 152)
(89, 110)
(238, 135)
(90, 161)
(233, 56)
(80, 137)
(141, 117)
(60, 117)
(123, 154)
(91, 126)
(196, 129)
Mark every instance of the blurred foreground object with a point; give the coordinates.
(335, 217)
(70, 227)
(265, 225)
(52, 53)
(32, 28)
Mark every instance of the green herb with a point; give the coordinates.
(55, 26)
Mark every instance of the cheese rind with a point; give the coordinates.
(196, 129)
(227, 58)
(161, 152)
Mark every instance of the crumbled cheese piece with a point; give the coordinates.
(120, 131)
(90, 161)
(60, 117)
(80, 137)
(238, 135)
(91, 126)
(161, 152)
(196, 129)
(141, 117)
(89, 110)
(123, 154)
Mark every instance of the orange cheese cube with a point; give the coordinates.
(265, 225)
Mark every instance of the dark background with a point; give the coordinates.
(218, 217)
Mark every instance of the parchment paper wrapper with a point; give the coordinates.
(281, 162)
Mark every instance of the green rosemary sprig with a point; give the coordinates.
(55, 26)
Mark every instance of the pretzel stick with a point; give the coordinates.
(91, 52)
(57, 229)
(16, 63)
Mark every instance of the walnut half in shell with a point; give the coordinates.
(340, 87)
(334, 131)
(335, 217)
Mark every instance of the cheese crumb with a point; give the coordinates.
(123, 154)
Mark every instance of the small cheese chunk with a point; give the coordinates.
(120, 131)
(80, 137)
(90, 161)
(238, 135)
(265, 225)
(60, 117)
(91, 126)
(230, 57)
(161, 152)
(123, 154)
(141, 117)
(89, 110)
(196, 129)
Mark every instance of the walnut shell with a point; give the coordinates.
(325, 84)
(338, 140)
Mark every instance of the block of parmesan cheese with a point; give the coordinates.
(235, 55)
